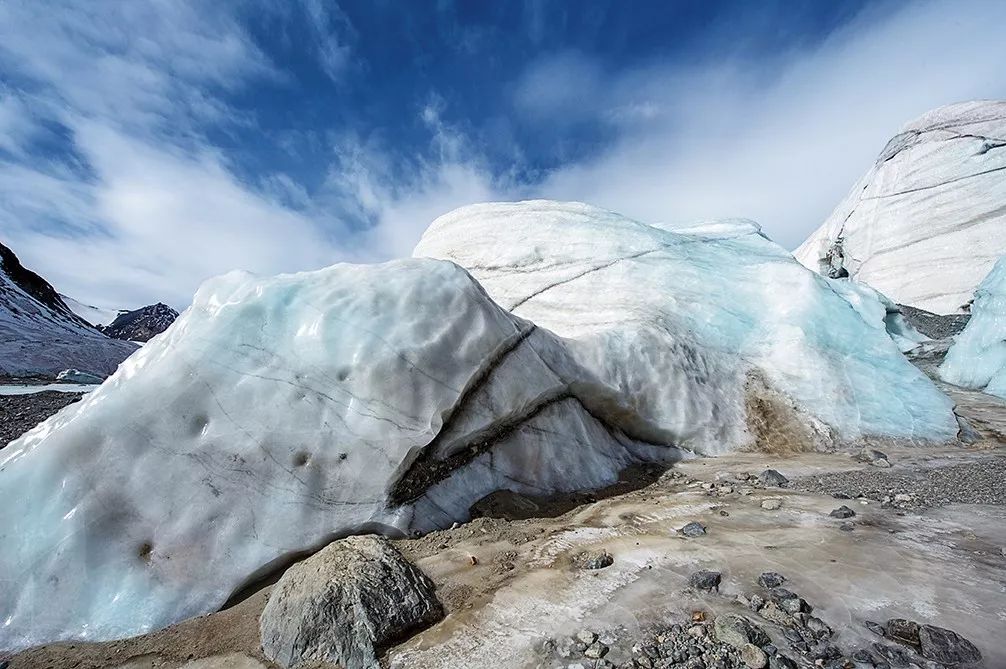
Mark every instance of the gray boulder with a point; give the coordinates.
(947, 646)
(738, 631)
(341, 605)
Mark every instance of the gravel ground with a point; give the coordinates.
(20, 413)
(978, 482)
(933, 325)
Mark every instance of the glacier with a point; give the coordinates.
(927, 221)
(721, 289)
(545, 347)
(977, 358)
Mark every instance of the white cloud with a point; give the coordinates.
(145, 209)
(781, 145)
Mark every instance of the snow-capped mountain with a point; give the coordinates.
(927, 222)
(41, 335)
(96, 316)
(141, 324)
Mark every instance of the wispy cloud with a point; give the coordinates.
(781, 140)
(114, 182)
(134, 203)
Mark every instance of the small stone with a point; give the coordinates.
(771, 477)
(598, 560)
(773, 613)
(693, 529)
(753, 656)
(882, 463)
(905, 631)
(902, 498)
(771, 504)
(818, 627)
(738, 631)
(696, 631)
(705, 580)
(771, 579)
(947, 646)
(596, 651)
(781, 662)
(847, 526)
(794, 605)
(872, 456)
(875, 627)
(842, 512)
(586, 636)
(756, 603)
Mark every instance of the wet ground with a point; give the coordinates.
(514, 590)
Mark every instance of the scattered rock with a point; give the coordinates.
(902, 498)
(693, 529)
(339, 606)
(847, 526)
(596, 650)
(596, 560)
(738, 631)
(772, 504)
(586, 636)
(946, 646)
(873, 456)
(771, 477)
(705, 580)
(753, 656)
(771, 579)
(842, 512)
(781, 662)
(875, 627)
(903, 630)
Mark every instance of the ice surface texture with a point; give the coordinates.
(717, 295)
(928, 220)
(977, 358)
(279, 413)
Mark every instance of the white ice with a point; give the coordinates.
(926, 223)
(277, 413)
(977, 358)
(720, 293)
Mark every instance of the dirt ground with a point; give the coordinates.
(510, 585)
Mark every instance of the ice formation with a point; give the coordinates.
(928, 220)
(278, 413)
(716, 292)
(879, 311)
(977, 358)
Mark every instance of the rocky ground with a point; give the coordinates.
(20, 413)
(639, 575)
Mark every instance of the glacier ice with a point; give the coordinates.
(276, 414)
(977, 358)
(722, 291)
(926, 223)
(279, 413)
(879, 311)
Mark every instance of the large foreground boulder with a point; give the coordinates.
(344, 603)
(277, 412)
(925, 224)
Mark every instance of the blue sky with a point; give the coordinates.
(147, 145)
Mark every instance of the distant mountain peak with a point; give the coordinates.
(141, 324)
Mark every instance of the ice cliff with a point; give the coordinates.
(977, 358)
(278, 413)
(926, 223)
